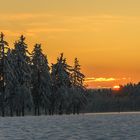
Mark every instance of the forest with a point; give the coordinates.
(126, 99)
(30, 86)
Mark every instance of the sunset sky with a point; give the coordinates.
(103, 34)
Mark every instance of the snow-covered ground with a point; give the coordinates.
(116, 126)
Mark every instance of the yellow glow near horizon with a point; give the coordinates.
(116, 87)
(102, 34)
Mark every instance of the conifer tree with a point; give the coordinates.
(41, 79)
(78, 87)
(3, 50)
(61, 83)
(23, 70)
(11, 81)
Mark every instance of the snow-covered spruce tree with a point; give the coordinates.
(41, 80)
(11, 81)
(22, 68)
(3, 53)
(61, 85)
(78, 88)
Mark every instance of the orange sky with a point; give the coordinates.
(103, 34)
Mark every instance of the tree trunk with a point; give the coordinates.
(35, 109)
(38, 111)
(60, 109)
(17, 112)
(77, 109)
(45, 111)
(73, 109)
(3, 111)
(23, 111)
(11, 111)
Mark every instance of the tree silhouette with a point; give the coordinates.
(41, 79)
(3, 47)
(78, 88)
(61, 82)
(23, 71)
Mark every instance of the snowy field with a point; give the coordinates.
(111, 126)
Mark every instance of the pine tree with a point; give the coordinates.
(10, 80)
(23, 70)
(61, 83)
(41, 80)
(77, 87)
(3, 50)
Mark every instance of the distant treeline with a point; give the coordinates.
(29, 86)
(108, 100)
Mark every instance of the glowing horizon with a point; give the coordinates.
(103, 35)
